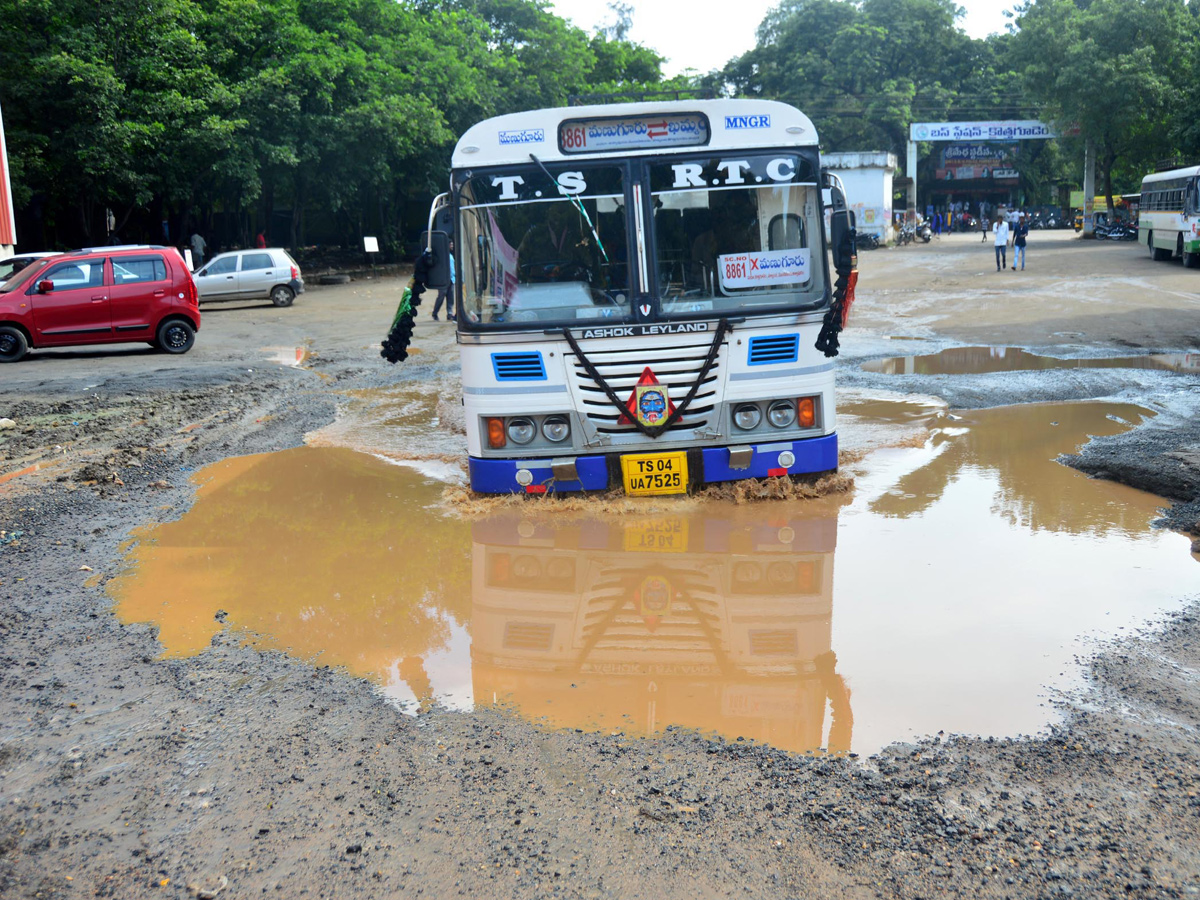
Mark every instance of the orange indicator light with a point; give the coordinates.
(495, 429)
(806, 411)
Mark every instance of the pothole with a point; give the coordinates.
(979, 360)
(953, 591)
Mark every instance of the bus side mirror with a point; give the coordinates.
(438, 272)
(842, 239)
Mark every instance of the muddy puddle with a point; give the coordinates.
(952, 590)
(411, 426)
(979, 360)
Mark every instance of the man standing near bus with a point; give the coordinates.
(1000, 233)
(446, 293)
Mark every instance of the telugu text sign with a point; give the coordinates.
(763, 268)
(1026, 129)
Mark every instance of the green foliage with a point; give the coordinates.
(337, 117)
(862, 71)
(341, 109)
(1115, 70)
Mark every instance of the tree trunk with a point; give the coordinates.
(1110, 159)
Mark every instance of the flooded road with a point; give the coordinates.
(948, 592)
(979, 360)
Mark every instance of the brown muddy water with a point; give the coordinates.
(952, 590)
(979, 360)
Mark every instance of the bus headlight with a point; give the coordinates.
(781, 413)
(521, 431)
(747, 416)
(556, 429)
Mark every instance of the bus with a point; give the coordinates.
(640, 288)
(1169, 215)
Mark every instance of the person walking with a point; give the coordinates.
(260, 241)
(198, 248)
(446, 293)
(1019, 236)
(1000, 234)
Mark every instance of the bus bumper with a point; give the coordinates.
(505, 476)
(536, 476)
(809, 455)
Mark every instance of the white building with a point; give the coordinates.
(868, 178)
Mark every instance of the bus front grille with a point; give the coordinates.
(676, 368)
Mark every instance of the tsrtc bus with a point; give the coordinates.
(640, 287)
(1169, 215)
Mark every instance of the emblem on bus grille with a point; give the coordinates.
(649, 403)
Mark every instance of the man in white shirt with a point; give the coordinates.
(1000, 233)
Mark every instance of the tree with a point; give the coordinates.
(860, 70)
(1115, 70)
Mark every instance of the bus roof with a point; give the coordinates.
(1186, 172)
(732, 125)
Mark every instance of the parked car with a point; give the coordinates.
(267, 274)
(101, 295)
(14, 264)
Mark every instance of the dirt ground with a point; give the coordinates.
(238, 773)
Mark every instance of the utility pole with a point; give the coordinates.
(1089, 190)
(910, 169)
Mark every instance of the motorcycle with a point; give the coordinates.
(925, 232)
(868, 240)
(1115, 231)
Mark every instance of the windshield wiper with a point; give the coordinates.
(577, 203)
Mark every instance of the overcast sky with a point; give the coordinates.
(705, 34)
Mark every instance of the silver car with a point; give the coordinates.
(14, 264)
(268, 274)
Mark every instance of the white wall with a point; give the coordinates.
(868, 180)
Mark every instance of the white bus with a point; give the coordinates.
(1169, 215)
(640, 288)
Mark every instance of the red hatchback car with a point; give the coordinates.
(104, 295)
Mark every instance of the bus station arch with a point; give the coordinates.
(979, 132)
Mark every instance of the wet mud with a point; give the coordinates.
(288, 742)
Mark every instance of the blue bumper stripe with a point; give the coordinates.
(812, 455)
(499, 476)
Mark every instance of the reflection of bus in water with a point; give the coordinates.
(698, 621)
(641, 288)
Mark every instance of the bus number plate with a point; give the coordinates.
(655, 473)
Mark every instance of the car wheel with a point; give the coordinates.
(13, 344)
(176, 336)
(281, 295)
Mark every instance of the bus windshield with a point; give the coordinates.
(736, 235)
(545, 245)
(723, 235)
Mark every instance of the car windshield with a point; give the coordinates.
(737, 235)
(544, 245)
(21, 278)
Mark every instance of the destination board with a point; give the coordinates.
(633, 133)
